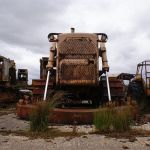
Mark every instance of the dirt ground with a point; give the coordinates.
(9, 122)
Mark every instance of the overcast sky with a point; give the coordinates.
(25, 24)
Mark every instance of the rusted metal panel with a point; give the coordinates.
(117, 88)
(77, 82)
(38, 82)
(60, 116)
(68, 116)
(77, 59)
(38, 86)
(43, 70)
(5, 65)
(72, 116)
(125, 76)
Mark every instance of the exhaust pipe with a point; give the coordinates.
(72, 30)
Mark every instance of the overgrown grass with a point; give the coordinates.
(56, 97)
(39, 117)
(113, 119)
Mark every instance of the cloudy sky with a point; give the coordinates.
(25, 24)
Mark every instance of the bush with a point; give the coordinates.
(122, 119)
(39, 117)
(111, 118)
(103, 119)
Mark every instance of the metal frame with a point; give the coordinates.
(144, 70)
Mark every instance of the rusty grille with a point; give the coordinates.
(77, 60)
(77, 46)
(77, 72)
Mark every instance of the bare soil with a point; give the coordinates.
(15, 135)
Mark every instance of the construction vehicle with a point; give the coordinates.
(73, 67)
(139, 87)
(74, 64)
(7, 71)
(7, 80)
(9, 84)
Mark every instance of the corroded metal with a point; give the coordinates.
(61, 116)
(125, 76)
(76, 56)
(71, 116)
(143, 73)
(7, 70)
(38, 86)
(77, 59)
(23, 76)
(43, 70)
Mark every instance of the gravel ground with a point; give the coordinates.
(88, 142)
(11, 122)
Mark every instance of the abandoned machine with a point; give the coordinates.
(78, 66)
(9, 83)
(140, 84)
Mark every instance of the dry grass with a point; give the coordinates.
(39, 117)
(54, 133)
(127, 134)
(113, 119)
(51, 133)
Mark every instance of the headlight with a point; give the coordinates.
(103, 38)
(51, 37)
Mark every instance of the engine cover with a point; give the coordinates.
(77, 59)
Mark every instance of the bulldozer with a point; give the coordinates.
(79, 66)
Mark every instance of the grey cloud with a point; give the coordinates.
(27, 23)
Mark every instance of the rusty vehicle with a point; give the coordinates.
(139, 86)
(7, 71)
(74, 63)
(7, 79)
(9, 83)
(78, 66)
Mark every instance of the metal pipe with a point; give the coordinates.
(105, 65)
(108, 86)
(46, 86)
(72, 30)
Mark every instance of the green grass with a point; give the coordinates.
(39, 118)
(122, 119)
(113, 119)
